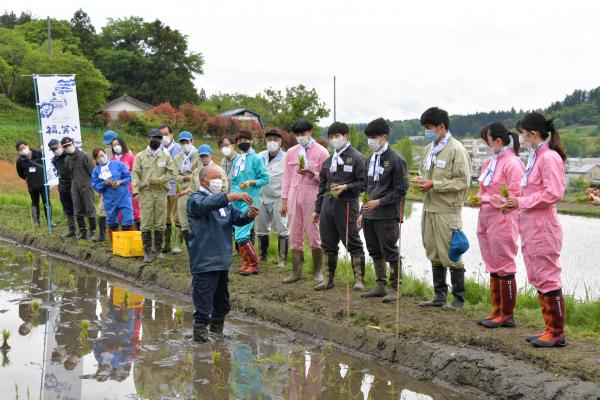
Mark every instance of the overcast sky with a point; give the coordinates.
(391, 58)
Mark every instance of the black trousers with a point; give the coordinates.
(210, 293)
(35, 195)
(332, 226)
(381, 236)
(66, 201)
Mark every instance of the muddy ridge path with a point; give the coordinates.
(446, 348)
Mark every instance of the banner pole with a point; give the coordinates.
(43, 150)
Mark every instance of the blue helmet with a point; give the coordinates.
(109, 136)
(184, 135)
(204, 150)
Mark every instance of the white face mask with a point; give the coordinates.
(226, 151)
(103, 160)
(70, 149)
(117, 149)
(374, 144)
(338, 143)
(303, 140)
(24, 151)
(272, 146)
(187, 148)
(215, 185)
(58, 152)
(166, 141)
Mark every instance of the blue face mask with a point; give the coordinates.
(430, 135)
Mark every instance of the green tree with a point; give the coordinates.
(10, 20)
(149, 61)
(13, 53)
(404, 147)
(82, 27)
(358, 139)
(36, 33)
(297, 102)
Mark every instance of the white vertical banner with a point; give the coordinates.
(58, 114)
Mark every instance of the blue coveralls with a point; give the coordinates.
(115, 199)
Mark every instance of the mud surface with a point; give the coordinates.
(447, 348)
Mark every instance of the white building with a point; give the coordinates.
(243, 114)
(479, 151)
(124, 103)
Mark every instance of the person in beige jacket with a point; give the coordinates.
(152, 171)
(444, 181)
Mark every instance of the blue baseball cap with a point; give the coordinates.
(184, 135)
(109, 136)
(459, 244)
(204, 150)
(52, 143)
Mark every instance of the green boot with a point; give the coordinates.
(177, 241)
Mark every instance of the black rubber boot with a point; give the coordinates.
(457, 278)
(35, 213)
(147, 243)
(331, 261)
(167, 239)
(92, 224)
(101, 229)
(158, 244)
(440, 287)
(380, 275)
(395, 279)
(200, 333)
(82, 229)
(72, 231)
(264, 247)
(186, 239)
(137, 224)
(216, 325)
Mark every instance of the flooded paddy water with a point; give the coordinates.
(77, 333)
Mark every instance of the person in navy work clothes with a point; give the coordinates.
(212, 217)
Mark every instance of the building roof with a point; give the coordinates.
(584, 169)
(240, 111)
(129, 99)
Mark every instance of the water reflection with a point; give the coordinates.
(136, 348)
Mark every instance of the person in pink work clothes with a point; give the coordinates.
(498, 232)
(298, 196)
(542, 186)
(120, 152)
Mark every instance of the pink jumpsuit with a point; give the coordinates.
(128, 159)
(301, 194)
(541, 232)
(497, 232)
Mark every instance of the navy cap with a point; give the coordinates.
(154, 133)
(459, 244)
(53, 142)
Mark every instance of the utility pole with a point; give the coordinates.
(334, 101)
(49, 38)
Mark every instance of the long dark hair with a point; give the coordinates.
(124, 148)
(499, 131)
(537, 122)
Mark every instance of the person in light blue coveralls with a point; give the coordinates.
(111, 179)
(249, 175)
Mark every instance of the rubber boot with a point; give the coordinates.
(544, 315)
(186, 239)
(457, 278)
(72, 231)
(317, 258)
(126, 228)
(216, 325)
(252, 264)
(358, 265)
(508, 299)
(331, 261)
(440, 287)
(137, 224)
(395, 280)
(92, 224)
(380, 276)
(35, 214)
(101, 229)
(297, 263)
(177, 241)
(82, 235)
(147, 243)
(110, 233)
(200, 333)
(158, 244)
(495, 299)
(555, 321)
(167, 239)
(263, 240)
(282, 247)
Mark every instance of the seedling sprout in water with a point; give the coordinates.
(179, 316)
(85, 327)
(5, 336)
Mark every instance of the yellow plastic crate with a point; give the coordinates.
(128, 244)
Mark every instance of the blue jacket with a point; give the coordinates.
(120, 196)
(211, 218)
